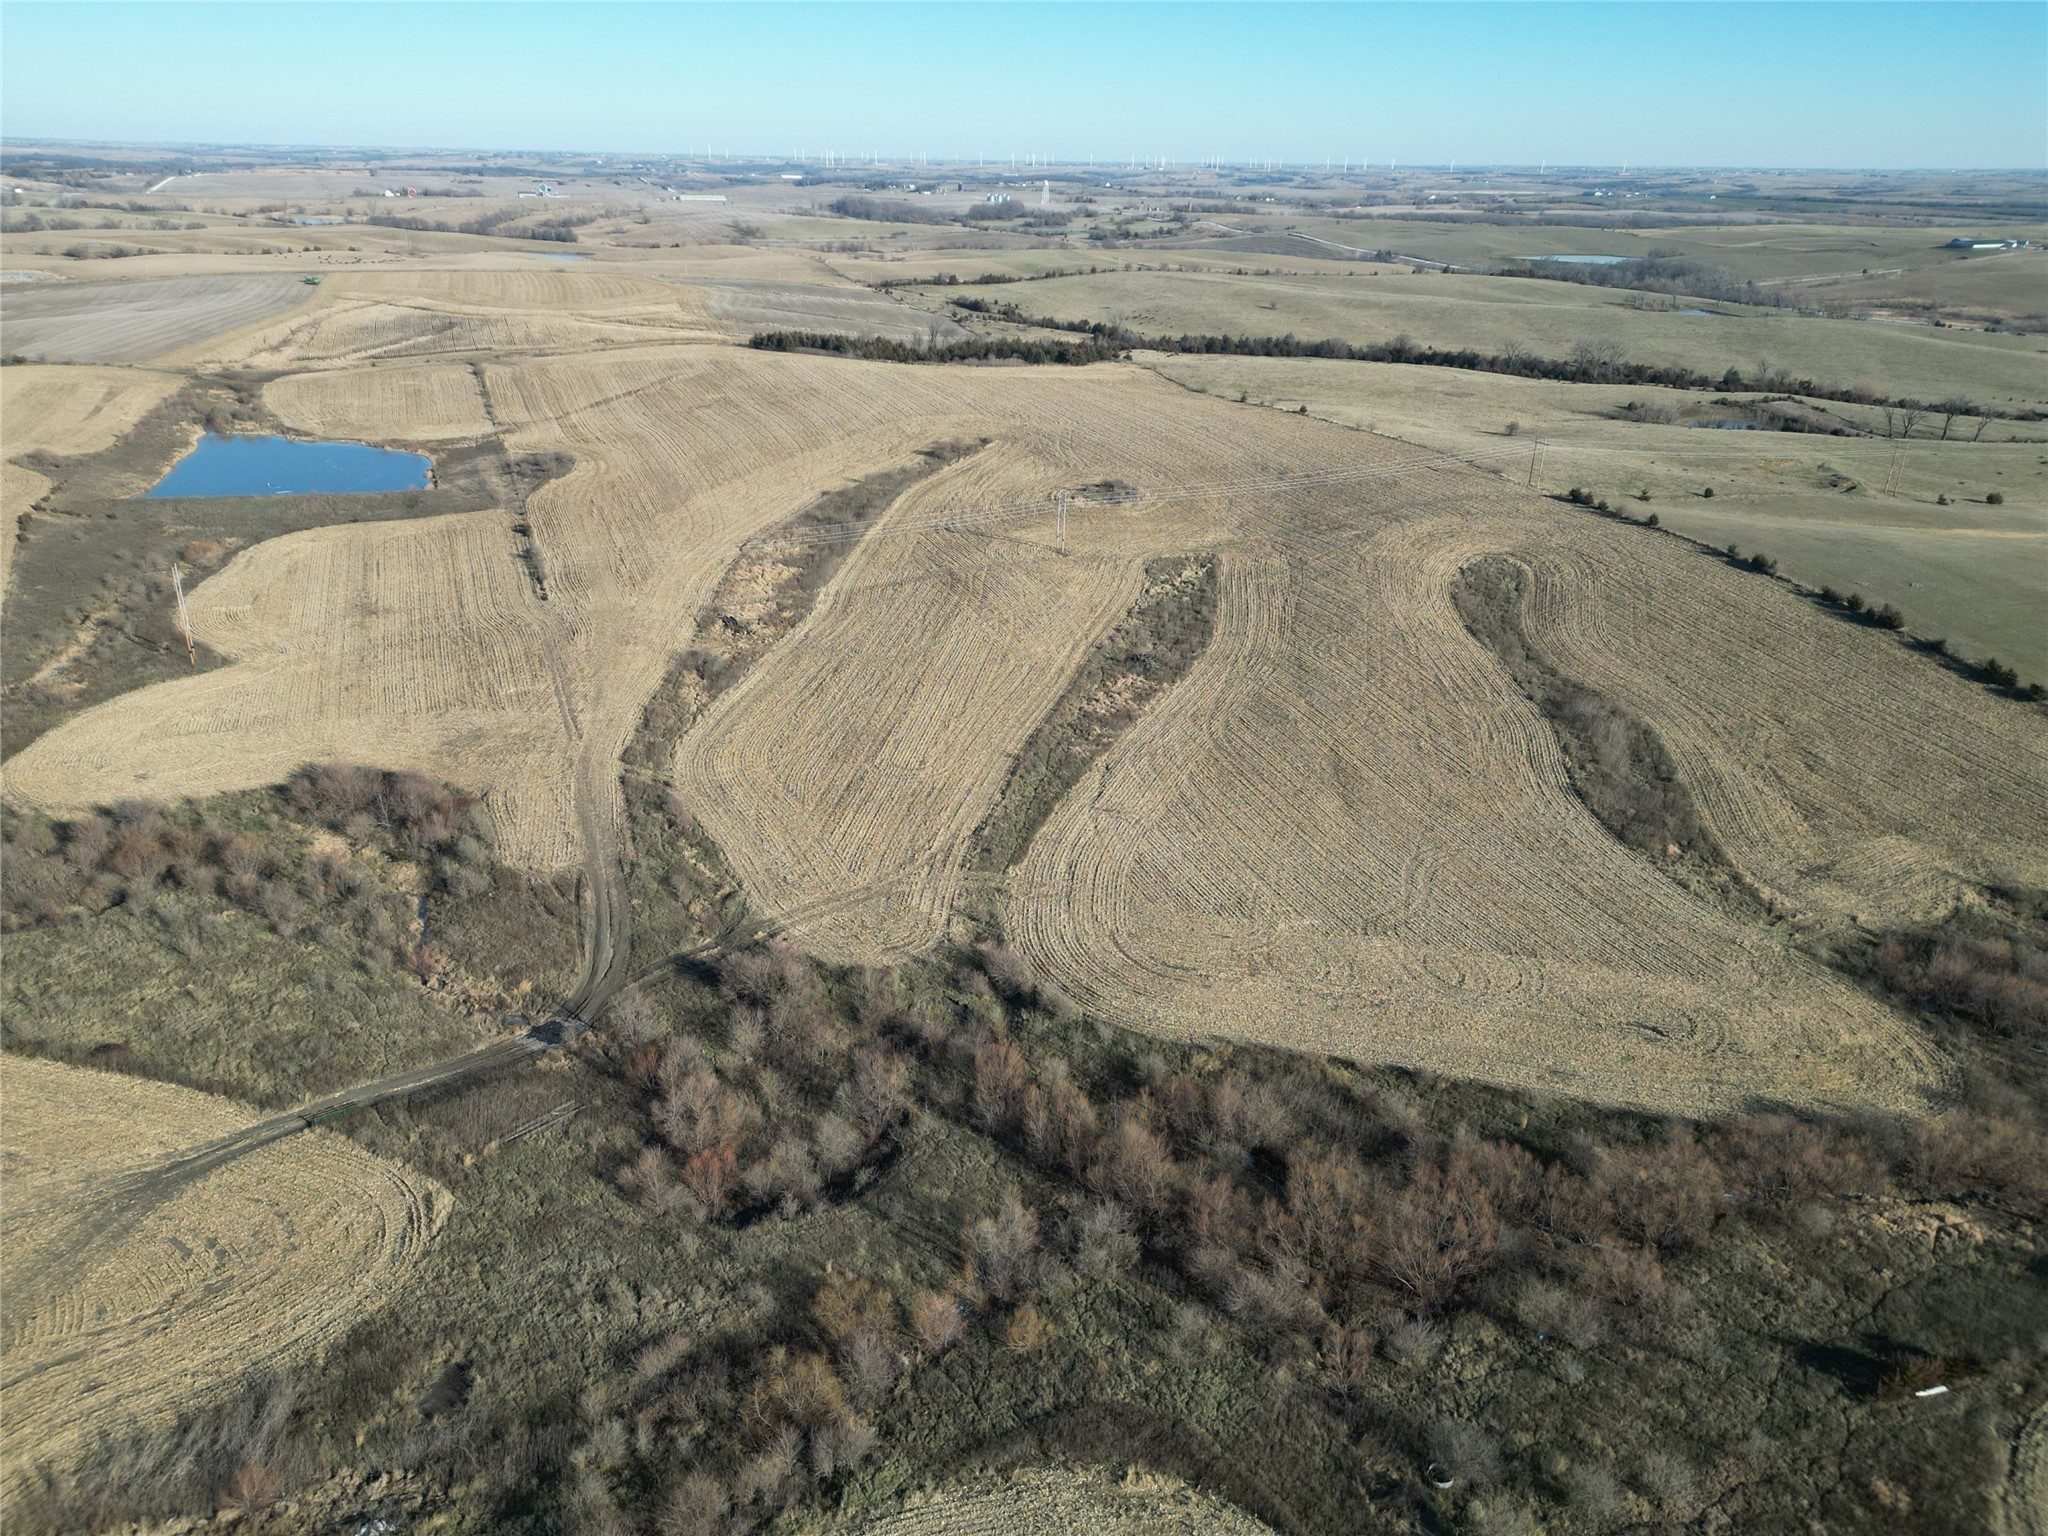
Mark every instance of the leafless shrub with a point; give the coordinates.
(1104, 1242)
(86, 841)
(1027, 1332)
(1411, 1341)
(1134, 1166)
(1591, 1488)
(1001, 1249)
(878, 1094)
(697, 1506)
(837, 1145)
(750, 976)
(1468, 1452)
(745, 1033)
(787, 1175)
(870, 1366)
(847, 1304)
(253, 1487)
(767, 1477)
(1667, 1479)
(839, 1447)
(937, 1321)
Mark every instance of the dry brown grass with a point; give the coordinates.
(108, 1327)
(1084, 1501)
(62, 411)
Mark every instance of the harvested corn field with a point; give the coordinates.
(1085, 1501)
(120, 1319)
(374, 316)
(69, 411)
(137, 321)
(419, 643)
(1344, 830)
(415, 403)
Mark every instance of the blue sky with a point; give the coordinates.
(1838, 85)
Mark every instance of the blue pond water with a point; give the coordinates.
(1586, 261)
(282, 466)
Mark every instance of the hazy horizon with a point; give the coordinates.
(1723, 86)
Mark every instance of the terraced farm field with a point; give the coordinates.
(1907, 522)
(114, 1320)
(1343, 831)
(755, 305)
(935, 916)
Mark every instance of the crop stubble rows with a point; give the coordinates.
(253, 1264)
(1343, 830)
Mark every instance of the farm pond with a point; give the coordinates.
(269, 465)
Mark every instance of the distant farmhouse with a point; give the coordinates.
(1968, 243)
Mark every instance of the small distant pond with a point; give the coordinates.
(1726, 426)
(1692, 312)
(1586, 261)
(564, 256)
(289, 466)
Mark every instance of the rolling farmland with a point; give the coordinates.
(1549, 320)
(113, 1326)
(1270, 870)
(136, 321)
(927, 916)
(1398, 886)
(1902, 521)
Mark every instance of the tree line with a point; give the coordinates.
(975, 349)
(1590, 362)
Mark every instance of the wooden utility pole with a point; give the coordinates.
(184, 614)
(1060, 501)
(1535, 452)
